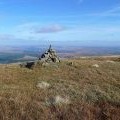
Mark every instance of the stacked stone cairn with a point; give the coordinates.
(49, 56)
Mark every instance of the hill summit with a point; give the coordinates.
(87, 89)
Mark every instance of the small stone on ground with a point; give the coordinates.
(57, 100)
(96, 65)
(43, 85)
(110, 61)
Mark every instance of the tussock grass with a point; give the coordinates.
(93, 92)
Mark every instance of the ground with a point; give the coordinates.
(75, 89)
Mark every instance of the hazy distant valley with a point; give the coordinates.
(28, 53)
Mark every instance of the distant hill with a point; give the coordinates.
(18, 54)
(26, 57)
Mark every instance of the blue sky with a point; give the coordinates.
(91, 22)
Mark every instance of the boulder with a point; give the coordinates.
(28, 64)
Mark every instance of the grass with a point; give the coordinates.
(94, 93)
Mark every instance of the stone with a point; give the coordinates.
(49, 56)
(45, 64)
(61, 100)
(28, 64)
(110, 61)
(43, 85)
(58, 100)
(96, 65)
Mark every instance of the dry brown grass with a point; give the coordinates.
(94, 93)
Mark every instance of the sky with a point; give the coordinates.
(84, 22)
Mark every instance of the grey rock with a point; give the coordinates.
(28, 64)
(49, 56)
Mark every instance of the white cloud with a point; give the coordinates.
(36, 28)
(50, 29)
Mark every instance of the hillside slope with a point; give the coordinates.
(75, 89)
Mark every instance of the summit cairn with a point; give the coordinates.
(49, 56)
